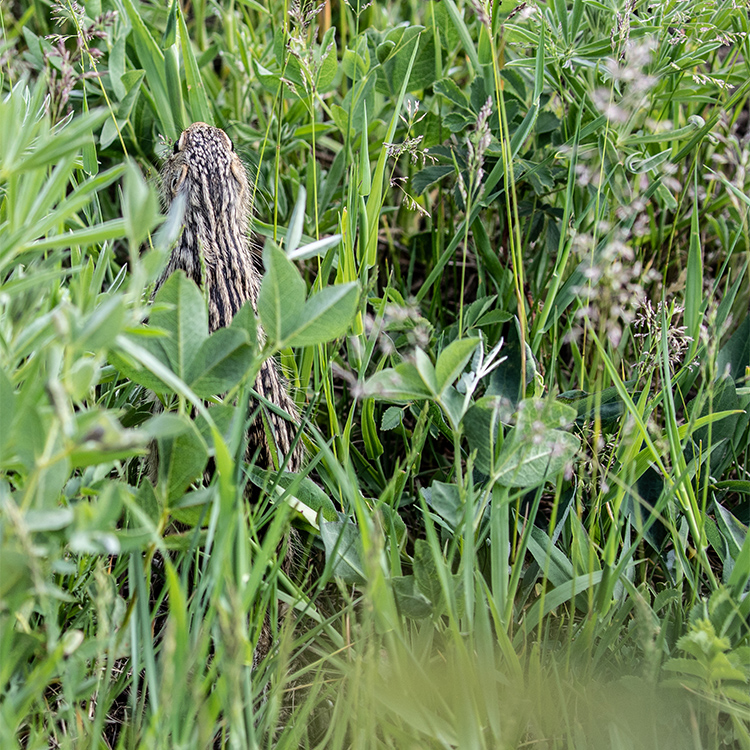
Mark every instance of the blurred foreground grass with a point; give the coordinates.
(528, 520)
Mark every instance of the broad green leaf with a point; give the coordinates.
(725, 399)
(426, 575)
(393, 523)
(51, 519)
(397, 68)
(180, 311)
(445, 500)
(373, 446)
(429, 580)
(734, 356)
(134, 352)
(308, 494)
(550, 412)
(506, 379)
(453, 404)
(182, 460)
(270, 80)
(732, 530)
(221, 362)
(534, 449)
(400, 383)
(429, 176)
(7, 409)
(448, 88)
(392, 418)
(166, 425)
(16, 581)
(343, 546)
(426, 371)
(135, 370)
(354, 65)
(452, 361)
(330, 65)
(411, 602)
(527, 463)
(246, 322)
(325, 316)
(481, 426)
(740, 575)
(117, 63)
(100, 438)
(103, 324)
(281, 297)
(225, 418)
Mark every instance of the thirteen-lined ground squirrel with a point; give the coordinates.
(214, 243)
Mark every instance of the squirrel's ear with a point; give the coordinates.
(179, 144)
(238, 171)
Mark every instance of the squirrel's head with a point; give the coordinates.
(204, 165)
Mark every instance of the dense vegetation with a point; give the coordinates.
(506, 255)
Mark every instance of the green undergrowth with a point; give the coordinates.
(505, 256)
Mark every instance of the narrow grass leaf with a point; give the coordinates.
(96, 235)
(296, 222)
(463, 33)
(557, 597)
(67, 140)
(315, 249)
(375, 200)
(694, 300)
(200, 106)
(152, 60)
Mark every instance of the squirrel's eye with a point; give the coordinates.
(176, 147)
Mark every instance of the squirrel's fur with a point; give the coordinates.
(215, 251)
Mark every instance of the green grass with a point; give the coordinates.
(521, 361)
